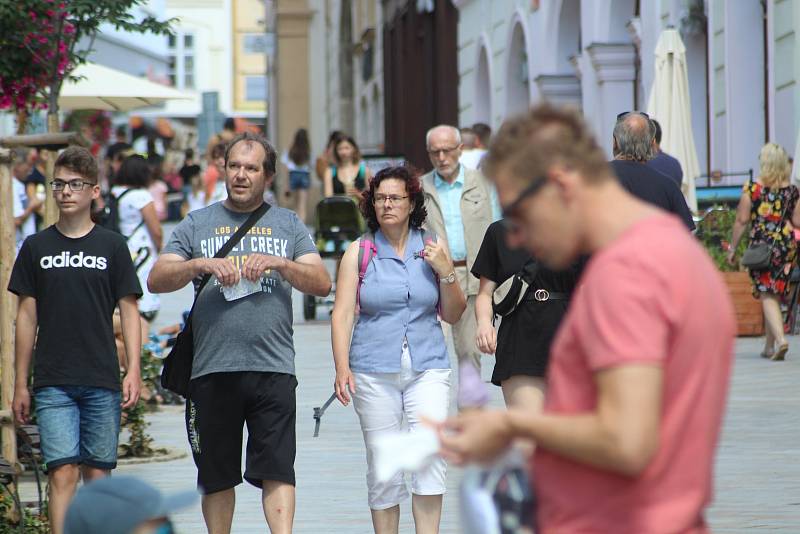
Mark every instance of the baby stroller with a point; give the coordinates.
(338, 223)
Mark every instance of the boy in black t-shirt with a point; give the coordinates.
(69, 278)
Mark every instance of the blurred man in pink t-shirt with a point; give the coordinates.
(639, 371)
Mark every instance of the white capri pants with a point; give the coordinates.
(381, 400)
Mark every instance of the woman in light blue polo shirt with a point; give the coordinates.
(396, 363)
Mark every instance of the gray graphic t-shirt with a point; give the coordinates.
(253, 333)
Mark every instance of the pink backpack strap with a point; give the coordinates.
(366, 251)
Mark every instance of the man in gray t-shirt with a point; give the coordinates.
(243, 370)
(252, 333)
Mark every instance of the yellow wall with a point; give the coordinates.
(246, 17)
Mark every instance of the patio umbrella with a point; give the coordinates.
(670, 104)
(113, 90)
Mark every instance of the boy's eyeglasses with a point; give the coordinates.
(74, 185)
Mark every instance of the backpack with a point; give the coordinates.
(368, 250)
(108, 216)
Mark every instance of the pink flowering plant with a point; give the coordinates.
(44, 40)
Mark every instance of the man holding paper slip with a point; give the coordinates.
(243, 368)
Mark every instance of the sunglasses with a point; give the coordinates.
(537, 184)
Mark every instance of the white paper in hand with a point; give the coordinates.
(242, 288)
(404, 451)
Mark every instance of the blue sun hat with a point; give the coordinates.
(119, 504)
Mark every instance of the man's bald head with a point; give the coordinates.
(443, 132)
(633, 137)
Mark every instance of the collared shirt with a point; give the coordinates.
(399, 299)
(450, 200)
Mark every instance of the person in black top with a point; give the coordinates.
(663, 162)
(522, 343)
(633, 148)
(69, 278)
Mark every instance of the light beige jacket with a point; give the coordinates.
(476, 215)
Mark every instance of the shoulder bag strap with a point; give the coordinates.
(228, 246)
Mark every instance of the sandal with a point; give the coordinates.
(766, 354)
(780, 354)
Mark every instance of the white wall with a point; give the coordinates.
(210, 23)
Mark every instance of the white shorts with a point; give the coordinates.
(381, 400)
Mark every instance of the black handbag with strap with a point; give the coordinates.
(177, 371)
(509, 294)
(758, 256)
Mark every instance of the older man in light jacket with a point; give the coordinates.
(461, 204)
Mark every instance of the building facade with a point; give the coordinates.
(421, 75)
(598, 55)
(219, 46)
(347, 71)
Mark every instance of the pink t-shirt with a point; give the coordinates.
(652, 296)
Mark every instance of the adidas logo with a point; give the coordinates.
(78, 260)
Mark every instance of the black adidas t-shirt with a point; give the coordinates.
(77, 284)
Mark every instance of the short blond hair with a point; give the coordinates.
(775, 166)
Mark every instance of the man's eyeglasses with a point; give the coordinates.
(537, 184)
(393, 199)
(74, 185)
(445, 151)
(626, 113)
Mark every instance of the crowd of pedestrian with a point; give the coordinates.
(613, 350)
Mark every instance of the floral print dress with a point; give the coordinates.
(770, 222)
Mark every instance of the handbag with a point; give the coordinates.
(507, 296)
(177, 371)
(758, 256)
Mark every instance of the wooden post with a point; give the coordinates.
(7, 254)
(50, 208)
(49, 144)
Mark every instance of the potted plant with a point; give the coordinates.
(714, 231)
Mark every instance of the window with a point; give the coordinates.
(255, 43)
(171, 70)
(258, 43)
(188, 71)
(255, 88)
(181, 60)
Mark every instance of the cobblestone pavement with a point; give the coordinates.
(757, 474)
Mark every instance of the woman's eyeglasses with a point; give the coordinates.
(393, 199)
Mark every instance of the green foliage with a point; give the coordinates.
(33, 523)
(715, 231)
(140, 443)
(44, 40)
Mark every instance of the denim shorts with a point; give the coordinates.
(299, 180)
(78, 425)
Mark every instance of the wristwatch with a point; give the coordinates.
(449, 279)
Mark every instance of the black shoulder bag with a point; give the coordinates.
(177, 370)
(510, 293)
(758, 256)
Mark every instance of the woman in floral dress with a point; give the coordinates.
(769, 204)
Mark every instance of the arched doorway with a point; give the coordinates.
(483, 89)
(517, 76)
(569, 35)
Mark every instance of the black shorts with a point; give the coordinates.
(219, 405)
